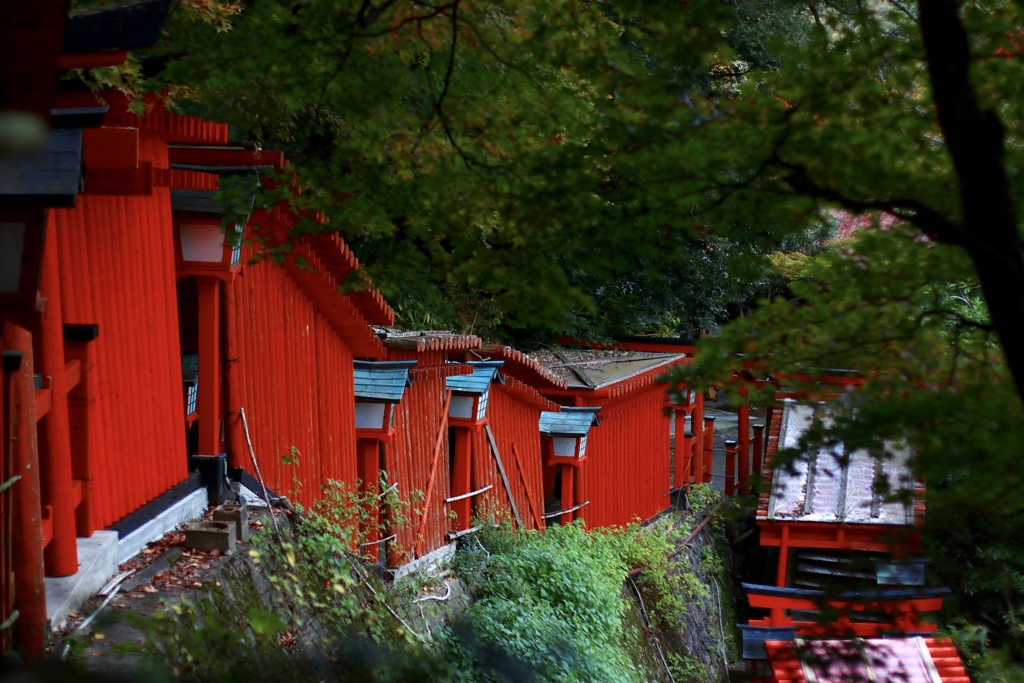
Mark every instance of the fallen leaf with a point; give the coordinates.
(148, 589)
(98, 636)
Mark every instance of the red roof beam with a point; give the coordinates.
(224, 156)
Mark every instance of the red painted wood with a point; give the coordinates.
(535, 502)
(436, 474)
(757, 461)
(732, 456)
(119, 181)
(208, 403)
(219, 156)
(568, 489)
(61, 555)
(110, 148)
(92, 60)
(709, 448)
(20, 448)
(82, 422)
(369, 486)
(461, 477)
(743, 445)
(234, 441)
(117, 271)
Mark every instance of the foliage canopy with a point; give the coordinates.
(520, 161)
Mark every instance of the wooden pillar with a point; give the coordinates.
(568, 489)
(209, 399)
(682, 456)
(83, 425)
(758, 458)
(369, 488)
(697, 439)
(21, 449)
(688, 453)
(235, 445)
(6, 504)
(580, 493)
(58, 490)
(743, 441)
(461, 470)
(708, 449)
(783, 568)
(732, 454)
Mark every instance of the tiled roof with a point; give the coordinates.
(382, 381)
(427, 340)
(570, 421)
(601, 368)
(484, 372)
(831, 485)
(520, 364)
(909, 660)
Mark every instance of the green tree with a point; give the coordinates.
(469, 151)
(527, 159)
(910, 111)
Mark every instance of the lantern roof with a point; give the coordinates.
(190, 367)
(49, 177)
(382, 380)
(484, 372)
(569, 421)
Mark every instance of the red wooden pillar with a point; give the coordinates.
(369, 487)
(58, 490)
(783, 568)
(758, 459)
(6, 473)
(21, 449)
(732, 454)
(697, 439)
(209, 399)
(461, 470)
(683, 457)
(580, 493)
(708, 448)
(83, 425)
(743, 441)
(234, 435)
(568, 489)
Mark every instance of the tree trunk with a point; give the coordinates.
(975, 139)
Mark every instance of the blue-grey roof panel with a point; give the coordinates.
(381, 381)
(571, 421)
(50, 177)
(484, 372)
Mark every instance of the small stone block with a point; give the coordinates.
(237, 514)
(211, 536)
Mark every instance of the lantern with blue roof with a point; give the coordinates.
(470, 393)
(568, 431)
(379, 387)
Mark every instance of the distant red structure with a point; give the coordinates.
(154, 346)
(625, 473)
(465, 437)
(908, 659)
